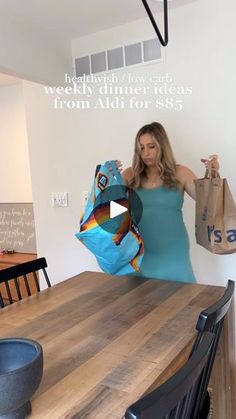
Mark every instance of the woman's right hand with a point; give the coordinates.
(212, 165)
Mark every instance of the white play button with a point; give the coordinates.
(116, 209)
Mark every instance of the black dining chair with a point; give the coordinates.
(177, 397)
(19, 279)
(211, 320)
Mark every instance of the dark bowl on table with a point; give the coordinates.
(21, 370)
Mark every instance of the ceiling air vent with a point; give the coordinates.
(123, 57)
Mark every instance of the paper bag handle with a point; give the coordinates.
(208, 174)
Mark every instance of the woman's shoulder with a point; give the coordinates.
(184, 174)
(127, 174)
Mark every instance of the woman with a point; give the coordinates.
(160, 184)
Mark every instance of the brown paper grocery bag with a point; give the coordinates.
(215, 216)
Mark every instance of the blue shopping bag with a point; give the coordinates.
(115, 242)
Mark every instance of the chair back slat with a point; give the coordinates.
(188, 401)
(209, 366)
(27, 285)
(46, 277)
(8, 293)
(198, 401)
(176, 398)
(36, 281)
(17, 288)
(15, 275)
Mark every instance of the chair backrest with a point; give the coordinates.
(178, 396)
(211, 320)
(16, 279)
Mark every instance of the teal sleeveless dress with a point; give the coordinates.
(166, 242)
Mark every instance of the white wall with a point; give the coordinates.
(15, 184)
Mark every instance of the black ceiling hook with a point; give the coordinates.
(164, 41)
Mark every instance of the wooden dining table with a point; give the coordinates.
(108, 340)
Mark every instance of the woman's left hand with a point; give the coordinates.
(212, 165)
(119, 166)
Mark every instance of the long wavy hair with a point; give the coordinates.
(165, 163)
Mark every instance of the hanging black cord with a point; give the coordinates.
(164, 41)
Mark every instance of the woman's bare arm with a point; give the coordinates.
(127, 174)
(186, 177)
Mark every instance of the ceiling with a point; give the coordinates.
(70, 19)
(6, 80)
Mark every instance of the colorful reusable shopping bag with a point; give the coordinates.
(115, 242)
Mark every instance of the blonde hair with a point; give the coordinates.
(165, 162)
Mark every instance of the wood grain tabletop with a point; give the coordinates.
(106, 340)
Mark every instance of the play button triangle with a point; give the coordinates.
(116, 209)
